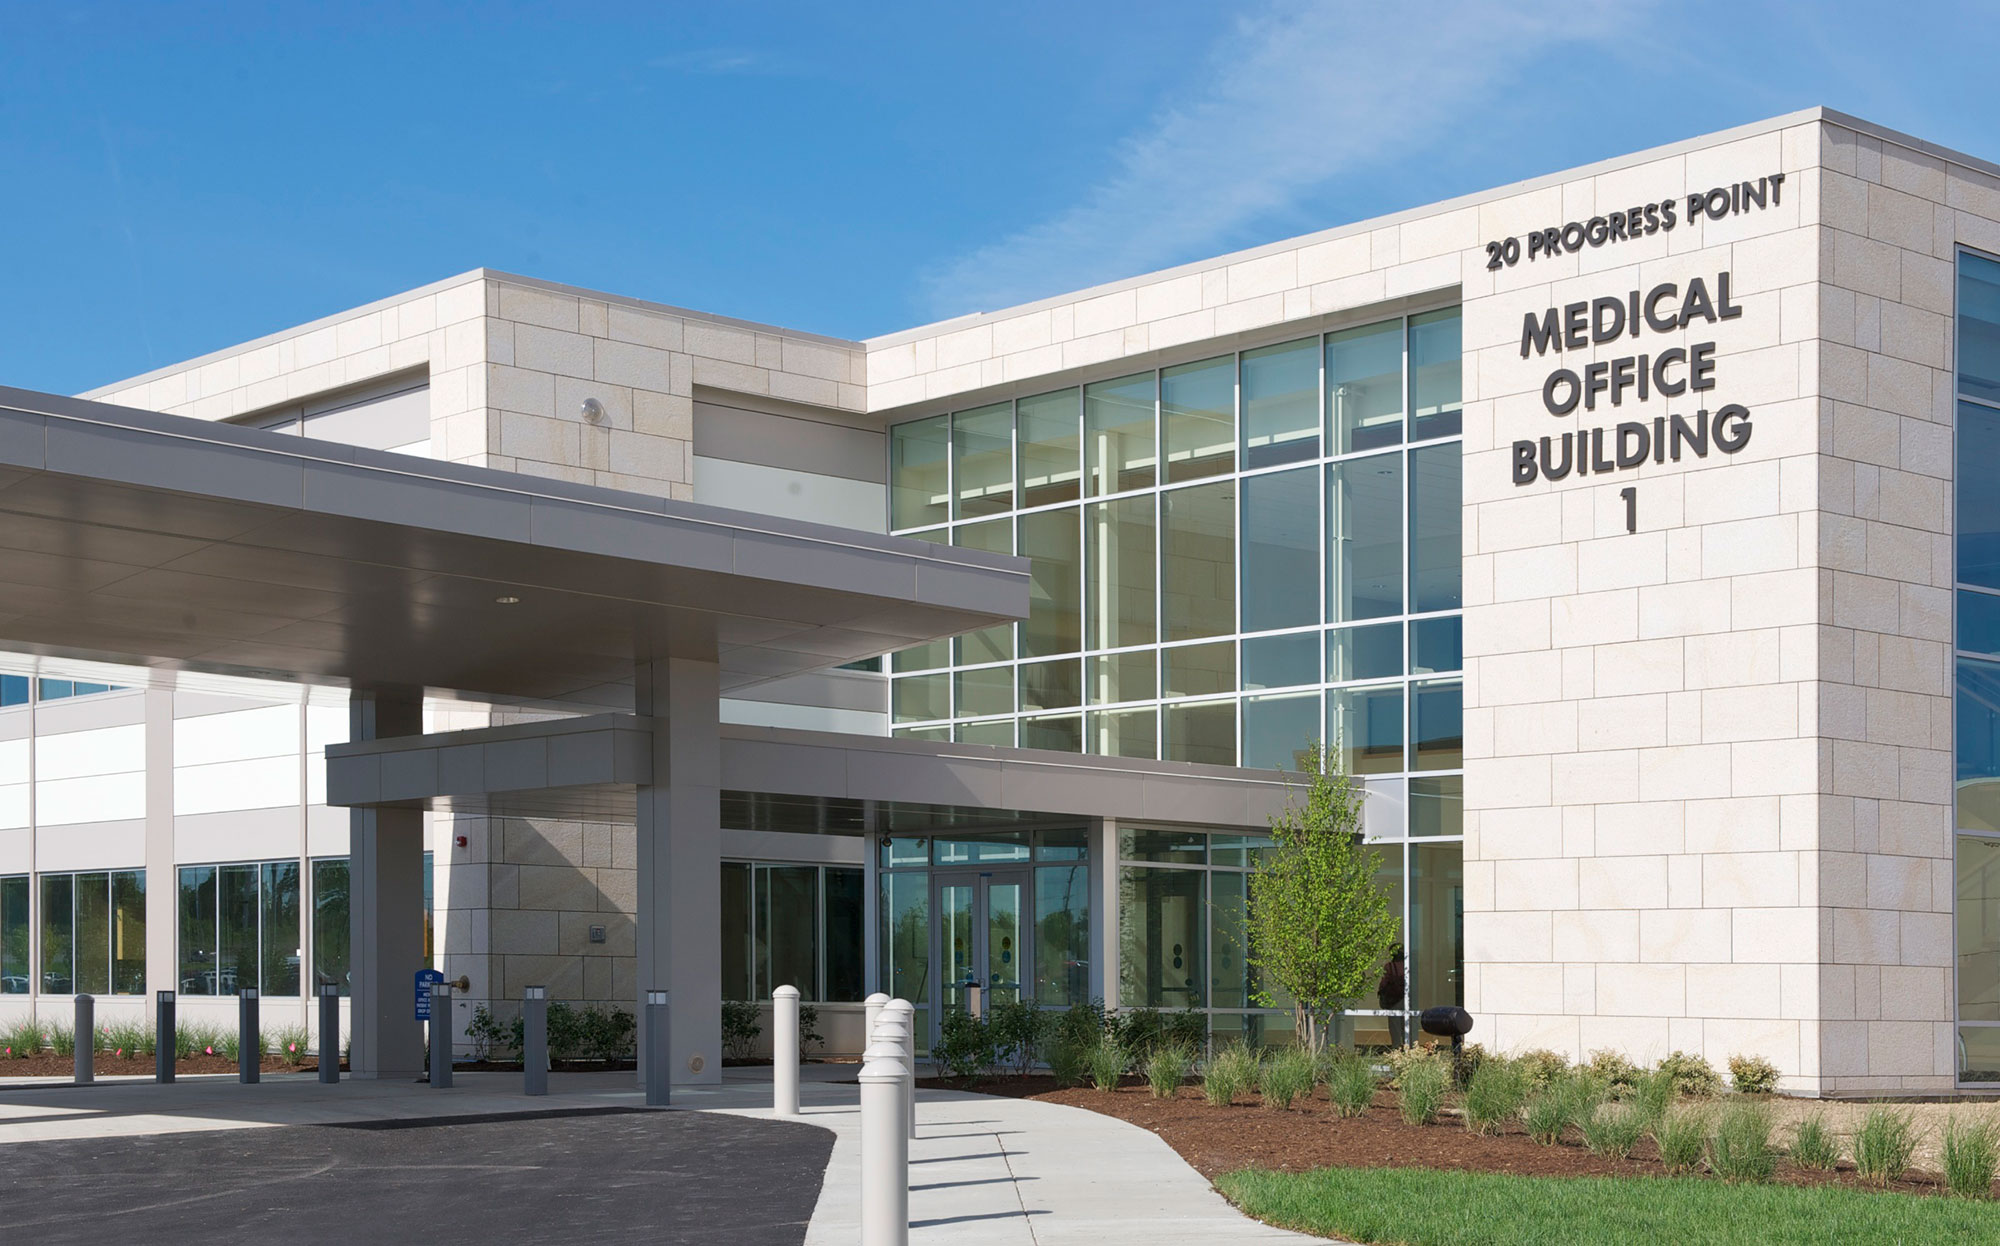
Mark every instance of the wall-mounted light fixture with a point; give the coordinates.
(593, 411)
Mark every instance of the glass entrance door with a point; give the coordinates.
(981, 935)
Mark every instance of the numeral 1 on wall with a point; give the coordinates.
(1631, 496)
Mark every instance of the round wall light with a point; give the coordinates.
(593, 411)
(506, 601)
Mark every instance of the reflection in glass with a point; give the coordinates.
(1437, 645)
(982, 461)
(918, 452)
(985, 690)
(93, 934)
(1979, 622)
(1161, 931)
(1281, 404)
(197, 919)
(1434, 374)
(787, 932)
(128, 932)
(1139, 843)
(1062, 733)
(1439, 728)
(1364, 386)
(1201, 731)
(1437, 805)
(988, 644)
(1121, 579)
(15, 970)
(1365, 727)
(1979, 1053)
(738, 935)
(58, 934)
(1051, 542)
(1051, 685)
(1364, 504)
(236, 928)
(998, 732)
(904, 943)
(1198, 593)
(1199, 670)
(1978, 329)
(1118, 449)
(1280, 547)
(1198, 404)
(280, 915)
(845, 889)
(1047, 429)
(1978, 509)
(1978, 917)
(1372, 651)
(1125, 733)
(331, 931)
(1286, 661)
(1279, 731)
(1229, 941)
(1976, 714)
(917, 698)
(1130, 676)
(1003, 942)
(1062, 935)
(1435, 514)
(1437, 925)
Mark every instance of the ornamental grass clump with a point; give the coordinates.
(1883, 1145)
(1494, 1095)
(1652, 1094)
(1230, 1072)
(1350, 1084)
(1107, 1063)
(1069, 1063)
(1814, 1145)
(1556, 1108)
(22, 1039)
(1741, 1149)
(129, 1038)
(1971, 1154)
(1167, 1068)
(1422, 1090)
(1288, 1077)
(61, 1039)
(1612, 1130)
(291, 1044)
(1753, 1075)
(1681, 1134)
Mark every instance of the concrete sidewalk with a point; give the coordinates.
(983, 1170)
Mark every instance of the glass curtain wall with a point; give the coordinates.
(93, 933)
(1231, 558)
(792, 925)
(250, 923)
(1977, 687)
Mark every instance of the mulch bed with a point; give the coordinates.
(1217, 1140)
(108, 1065)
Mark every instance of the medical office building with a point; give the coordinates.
(1604, 524)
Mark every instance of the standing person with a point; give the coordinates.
(1389, 993)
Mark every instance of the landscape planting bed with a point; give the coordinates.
(108, 1065)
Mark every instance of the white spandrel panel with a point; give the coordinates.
(92, 798)
(259, 783)
(238, 735)
(78, 754)
(13, 806)
(13, 761)
(790, 494)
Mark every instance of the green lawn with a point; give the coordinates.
(1420, 1207)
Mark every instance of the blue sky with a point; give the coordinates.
(180, 177)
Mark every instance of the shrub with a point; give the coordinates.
(1107, 1060)
(1542, 1067)
(1350, 1084)
(1741, 1149)
(1079, 1025)
(605, 1033)
(1554, 1109)
(964, 1046)
(1883, 1145)
(1814, 1146)
(1018, 1029)
(1167, 1068)
(1618, 1076)
(1230, 1072)
(1612, 1130)
(1465, 1061)
(61, 1039)
(291, 1043)
(1141, 1031)
(1288, 1077)
(1068, 1063)
(1402, 1059)
(1494, 1095)
(1753, 1075)
(740, 1029)
(1693, 1077)
(1424, 1083)
(1680, 1135)
(1971, 1154)
(810, 1039)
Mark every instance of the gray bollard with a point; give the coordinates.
(885, 1146)
(86, 1040)
(535, 1040)
(441, 1035)
(658, 1055)
(329, 1032)
(249, 1038)
(163, 1036)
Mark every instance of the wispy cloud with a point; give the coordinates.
(1291, 99)
(717, 62)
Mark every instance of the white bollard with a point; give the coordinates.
(873, 1013)
(885, 1146)
(785, 1051)
(903, 1014)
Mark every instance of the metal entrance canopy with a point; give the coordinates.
(175, 544)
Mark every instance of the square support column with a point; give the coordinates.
(680, 862)
(385, 896)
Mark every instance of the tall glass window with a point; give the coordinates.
(982, 461)
(1052, 544)
(1434, 375)
(331, 926)
(1364, 507)
(1280, 550)
(1364, 386)
(1198, 414)
(1281, 404)
(240, 927)
(1122, 539)
(1047, 434)
(1976, 693)
(791, 925)
(15, 970)
(919, 467)
(1118, 437)
(1198, 556)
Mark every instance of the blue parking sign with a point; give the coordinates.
(424, 979)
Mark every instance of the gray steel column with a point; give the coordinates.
(656, 1059)
(441, 1035)
(249, 1038)
(329, 1032)
(163, 1036)
(385, 892)
(85, 1033)
(680, 861)
(535, 1040)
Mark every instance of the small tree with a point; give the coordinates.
(1319, 924)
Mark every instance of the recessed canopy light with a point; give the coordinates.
(507, 601)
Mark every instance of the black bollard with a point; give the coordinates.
(329, 1032)
(249, 1038)
(163, 1037)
